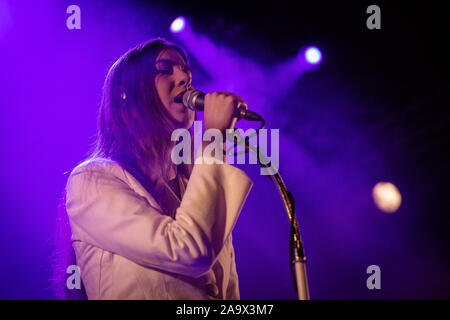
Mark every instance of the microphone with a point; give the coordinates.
(195, 100)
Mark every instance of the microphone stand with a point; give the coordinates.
(296, 250)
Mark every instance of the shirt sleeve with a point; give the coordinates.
(106, 212)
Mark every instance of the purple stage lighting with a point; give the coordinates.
(313, 55)
(178, 25)
(309, 58)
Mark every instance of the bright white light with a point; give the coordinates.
(178, 25)
(313, 55)
(386, 197)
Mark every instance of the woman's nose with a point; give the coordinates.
(182, 78)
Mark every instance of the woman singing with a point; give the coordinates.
(143, 227)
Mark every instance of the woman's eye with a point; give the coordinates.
(165, 71)
(169, 70)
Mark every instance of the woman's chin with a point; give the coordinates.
(183, 119)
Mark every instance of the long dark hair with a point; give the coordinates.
(134, 129)
(133, 126)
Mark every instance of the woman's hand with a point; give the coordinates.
(221, 110)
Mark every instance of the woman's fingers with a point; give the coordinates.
(222, 110)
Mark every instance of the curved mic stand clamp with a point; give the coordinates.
(297, 258)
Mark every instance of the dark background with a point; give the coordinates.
(391, 86)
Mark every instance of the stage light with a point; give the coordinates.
(309, 58)
(313, 55)
(386, 197)
(178, 25)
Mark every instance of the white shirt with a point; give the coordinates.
(127, 248)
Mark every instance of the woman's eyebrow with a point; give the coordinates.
(164, 60)
(169, 61)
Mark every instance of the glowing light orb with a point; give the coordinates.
(386, 197)
(178, 25)
(313, 55)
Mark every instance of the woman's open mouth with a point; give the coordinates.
(179, 97)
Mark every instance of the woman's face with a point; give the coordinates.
(174, 77)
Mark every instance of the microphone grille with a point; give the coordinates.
(189, 98)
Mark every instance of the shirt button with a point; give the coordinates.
(213, 290)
